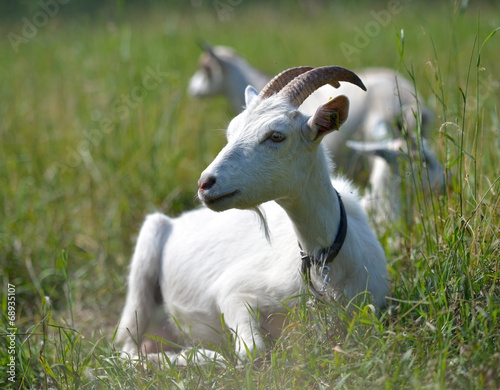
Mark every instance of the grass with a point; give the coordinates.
(88, 148)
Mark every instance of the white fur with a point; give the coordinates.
(218, 271)
(382, 199)
(223, 72)
(390, 99)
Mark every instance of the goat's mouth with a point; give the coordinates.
(217, 202)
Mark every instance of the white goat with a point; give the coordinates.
(391, 99)
(382, 199)
(222, 72)
(390, 96)
(217, 270)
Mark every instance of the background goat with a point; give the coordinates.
(392, 159)
(391, 100)
(222, 72)
(217, 270)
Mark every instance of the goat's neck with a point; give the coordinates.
(314, 210)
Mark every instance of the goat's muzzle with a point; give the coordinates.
(205, 183)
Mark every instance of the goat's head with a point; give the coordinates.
(272, 147)
(209, 79)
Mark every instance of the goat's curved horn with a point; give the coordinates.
(281, 80)
(297, 90)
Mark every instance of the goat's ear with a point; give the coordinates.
(250, 94)
(328, 117)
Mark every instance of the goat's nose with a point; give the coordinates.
(206, 183)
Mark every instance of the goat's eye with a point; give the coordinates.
(277, 137)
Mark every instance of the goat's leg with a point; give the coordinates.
(243, 320)
(143, 282)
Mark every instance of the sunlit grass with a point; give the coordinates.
(88, 148)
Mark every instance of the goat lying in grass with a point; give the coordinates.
(391, 100)
(209, 266)
(392, 159)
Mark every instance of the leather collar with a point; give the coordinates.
(326, 255)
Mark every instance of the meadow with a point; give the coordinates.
(97, 130)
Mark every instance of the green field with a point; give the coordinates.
(88, 147)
